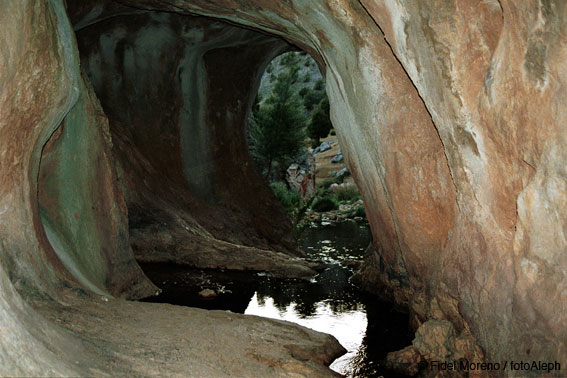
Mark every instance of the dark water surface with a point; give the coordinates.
(365, 326)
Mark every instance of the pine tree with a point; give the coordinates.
(320, 124)
(277, 127)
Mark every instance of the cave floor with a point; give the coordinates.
(118, 337)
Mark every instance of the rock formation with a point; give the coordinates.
(450, 120)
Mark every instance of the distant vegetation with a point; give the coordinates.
(291, 111)
(291, 108)
(277, 126)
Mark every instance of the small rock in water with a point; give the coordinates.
(207, 293)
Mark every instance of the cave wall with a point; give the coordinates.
(449, 115)
(177, 90)
(64, 253)
(42, 89)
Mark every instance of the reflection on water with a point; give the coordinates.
(347, 326)
(367, 328)
(329, 303)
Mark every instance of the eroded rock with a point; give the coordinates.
(449, 114)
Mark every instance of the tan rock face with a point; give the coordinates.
(450, 116)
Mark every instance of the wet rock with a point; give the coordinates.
(207, 293)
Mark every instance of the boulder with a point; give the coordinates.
(338, 157)
(207, 293)
(405, 361)
(300, 176)
(343, 173)
(322, 147)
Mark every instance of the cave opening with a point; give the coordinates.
(177, 120)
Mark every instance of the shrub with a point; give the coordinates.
(313, 98)
(289, 199)
(303, 91)
(347, 194)
(360, 212)
(326, 184)
(325, 204)
(289, 59)
(320, 124)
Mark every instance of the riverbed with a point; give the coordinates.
(365, 326)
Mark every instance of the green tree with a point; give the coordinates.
(312, 98)
(320, 124)
(277, 127)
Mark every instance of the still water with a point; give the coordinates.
(329, 303)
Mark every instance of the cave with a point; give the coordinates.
(122, 140)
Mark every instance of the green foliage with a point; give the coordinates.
(360, 212)
(326, 184)
(319, 85)
(289, 60)
(325, 204)
(348, 194)
(307, 78)
(277, 129)
(270, 68)
(289, 199)
(320, 124)
(303, 91)
(256, 105)
(312, 98)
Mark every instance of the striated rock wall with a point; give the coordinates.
(449, 114)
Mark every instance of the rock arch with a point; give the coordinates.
(451, 124)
